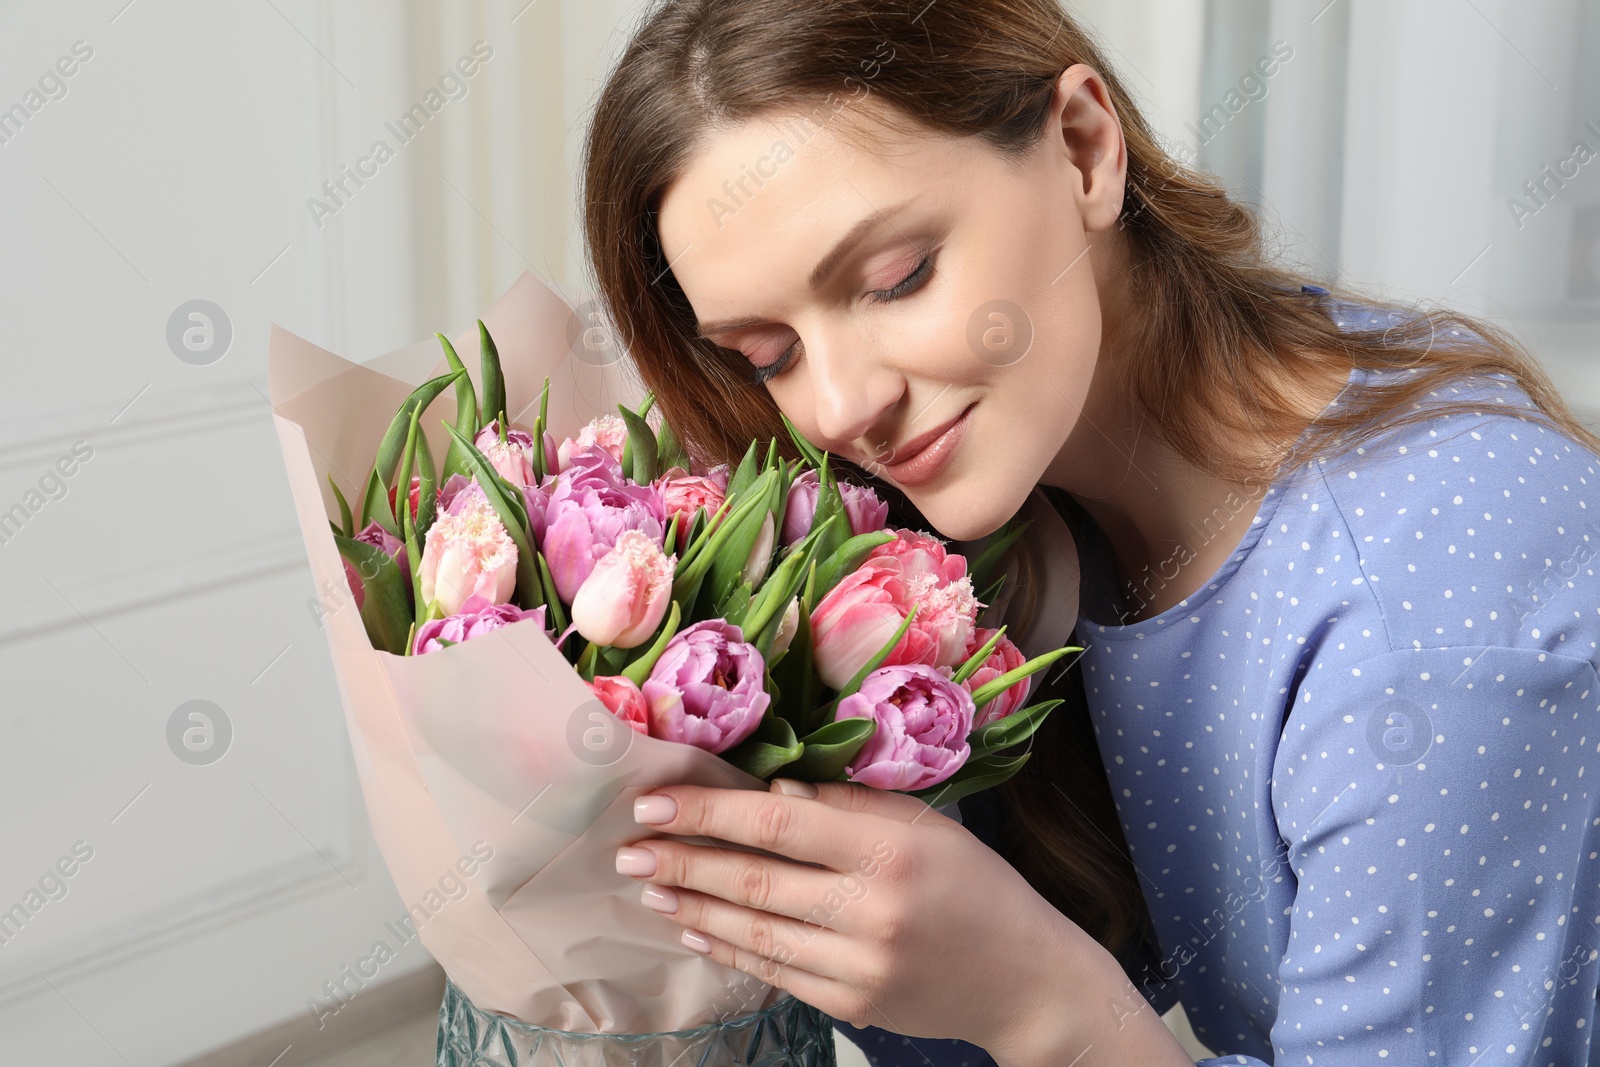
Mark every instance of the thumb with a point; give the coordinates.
(852, 796)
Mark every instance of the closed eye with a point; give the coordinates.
(910, 283)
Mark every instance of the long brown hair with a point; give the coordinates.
(1224, 333)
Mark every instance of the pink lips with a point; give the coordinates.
(927, 454)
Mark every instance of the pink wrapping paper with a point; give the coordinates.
(497, 743)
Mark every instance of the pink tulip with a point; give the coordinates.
(626, 594)
(867, 514)
(467, 553)
(859, 614)
(607, 431)
(476, 618)
(683, 493)
(514, 459)
(923, 721)
(590, 505)
(1005, 657)
(707, 689)
(622, 698)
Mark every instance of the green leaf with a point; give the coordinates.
(494, 381)
(700, 560)
(640, 460)
(807, 449)
(639, 669)
(732, 606)
(427, 486)
(847, 557)
(466, 425)
(986, 597)
(979, 568)
(385, 605)
(771, 746)
(974, 661)
(795, 675)
(1013, 729)
(513, 518)
(829, 748)
(974, 776)
(612, 660)
(549, 595)
(739, 534)
(346, 523)
(993, 688)
(375, 505)
(669, 450)
(745, 474)
(395, 436)
(402, 498)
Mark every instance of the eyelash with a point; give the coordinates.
(762, 375)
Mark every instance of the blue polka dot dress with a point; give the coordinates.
(1353, 767)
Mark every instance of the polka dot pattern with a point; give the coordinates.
(1352, 768)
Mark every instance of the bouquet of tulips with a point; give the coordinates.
(533, 623)
(764, 614)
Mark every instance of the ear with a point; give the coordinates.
(1085, 126)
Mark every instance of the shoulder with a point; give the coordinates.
(1475, 528)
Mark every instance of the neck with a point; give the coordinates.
(1170, 524)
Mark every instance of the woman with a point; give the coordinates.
(1324, 777)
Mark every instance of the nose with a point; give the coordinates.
(852, 388)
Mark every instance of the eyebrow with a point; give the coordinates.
(822, 271)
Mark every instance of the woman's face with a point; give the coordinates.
(922, 288)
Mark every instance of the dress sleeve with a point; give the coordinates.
(1436, 812)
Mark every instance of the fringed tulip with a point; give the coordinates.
(625, 596)
(468, 552)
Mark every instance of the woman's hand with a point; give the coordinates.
(885, 912)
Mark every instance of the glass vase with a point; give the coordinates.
(790, 1033)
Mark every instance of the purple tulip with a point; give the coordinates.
(867, 514)
(923, 722)
(706, 689)
(476, 618)
(590, 505)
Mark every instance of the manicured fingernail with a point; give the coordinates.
(660, 898)
(696, 941)
(636, 861)
(654, 809)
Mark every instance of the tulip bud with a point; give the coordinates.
(755, 567)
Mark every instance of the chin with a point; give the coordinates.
(970, 508)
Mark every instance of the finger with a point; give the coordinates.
(762, 935)
(850, 796)
(795, 827)
(754, 881)
(836, 999)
